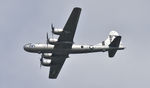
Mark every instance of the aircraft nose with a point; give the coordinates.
(26, 47)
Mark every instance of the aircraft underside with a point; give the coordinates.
(55, 51)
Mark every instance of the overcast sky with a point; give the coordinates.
(25, 21)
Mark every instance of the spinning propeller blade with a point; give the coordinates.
(47, 39)
(41, 59)
(52, 27)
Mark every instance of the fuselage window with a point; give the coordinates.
(81, 46)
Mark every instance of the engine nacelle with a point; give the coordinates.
(47, 55)
(46, 62)
(57, 31)
(52, 41)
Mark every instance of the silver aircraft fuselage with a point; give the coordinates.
(55, 51)
(76, 49)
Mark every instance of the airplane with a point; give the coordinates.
(55, 51)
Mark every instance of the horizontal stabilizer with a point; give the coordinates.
(115, 43)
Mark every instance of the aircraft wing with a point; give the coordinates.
(56, 65)
(70, 27)
(65, 41)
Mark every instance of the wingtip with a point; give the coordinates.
(52, 77)
(77, 8)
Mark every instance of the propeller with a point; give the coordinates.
(41, 59)
(52, 27)
(47, 39)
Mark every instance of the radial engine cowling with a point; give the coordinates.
(57, 31)
(47, 55)
(46, 62)
(52, 41)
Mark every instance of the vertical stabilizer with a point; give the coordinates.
(111, 37)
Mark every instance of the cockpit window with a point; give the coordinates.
(31, 45)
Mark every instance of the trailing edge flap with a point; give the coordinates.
(114, 43)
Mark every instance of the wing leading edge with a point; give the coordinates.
(65, 42)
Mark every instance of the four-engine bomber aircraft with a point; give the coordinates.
(55, 52)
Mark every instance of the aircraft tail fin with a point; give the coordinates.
(113, 42)
(111, 37)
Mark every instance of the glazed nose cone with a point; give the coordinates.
(26, 47)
